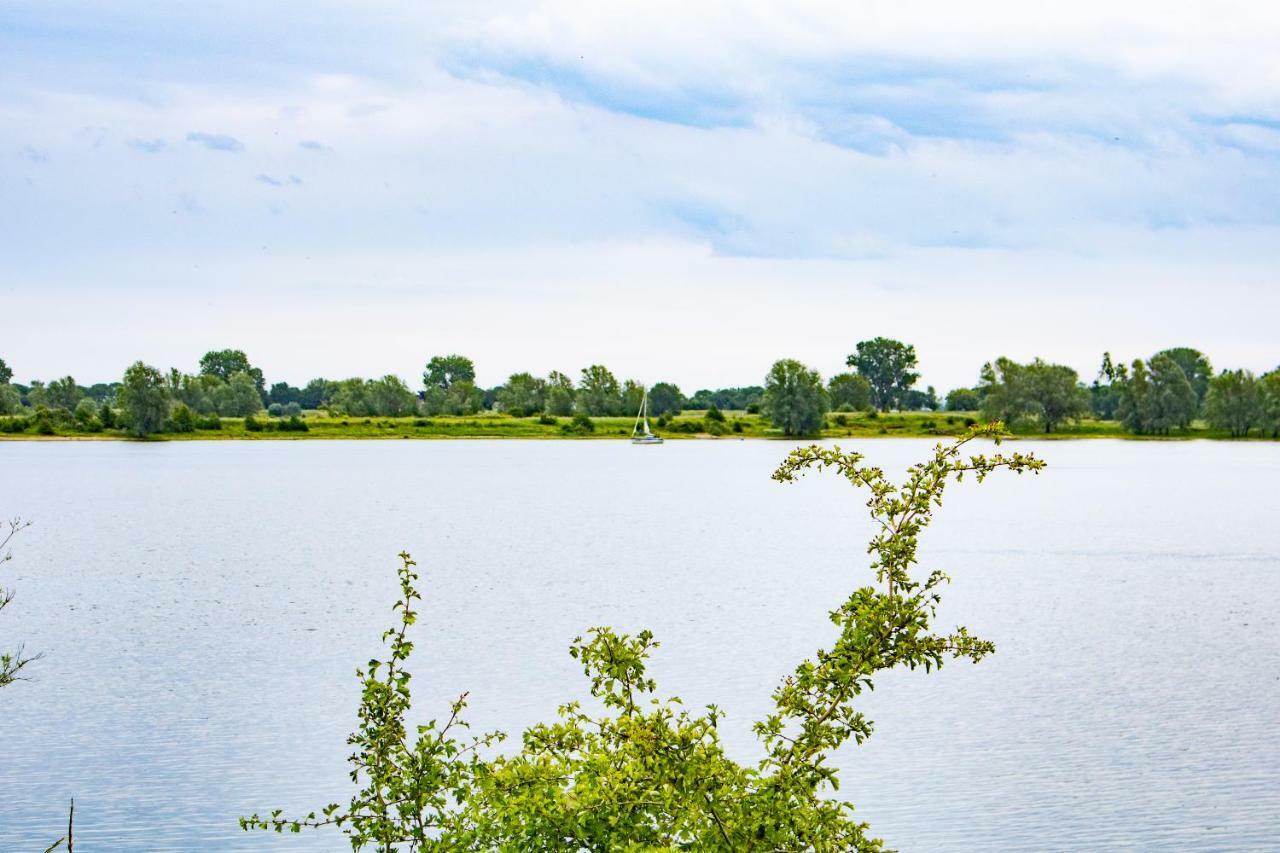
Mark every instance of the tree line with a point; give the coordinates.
(1161, 395)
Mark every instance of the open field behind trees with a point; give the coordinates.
(1175, 393)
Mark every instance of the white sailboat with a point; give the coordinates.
(640, 433)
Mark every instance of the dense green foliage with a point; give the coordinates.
(1164, 395)
(637, 772)
(1048, 394)
(963, 400)
(794, 398)
(224, 364)
(450, 387)
(849, 392)
(1235, 402)
(599, 392)
(889, 368)
(143, 399)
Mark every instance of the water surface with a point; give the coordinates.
(202, 607)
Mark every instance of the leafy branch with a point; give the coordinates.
(644, 773)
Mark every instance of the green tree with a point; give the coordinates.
(316, 393)
(665, 399)
(1271, 402)
(1049, 393)
(523, 394)
(632, 396)
(86, 415)
(1174, 403)
(390, 397)
(559, 394)
(64, 393)
(350, 396)
(284, 393)
(10, 400)
(633, 772)
(888, 366)
(598, 391)
(226, 363)
(1104, 393)
(963, 400)
(144, 399)
(917, 400)
(849, 392)
(1195, 366)
(6, 374)
(1234, 402)
(37, 394)
(444, 371)
(794, 398)
(238, 397)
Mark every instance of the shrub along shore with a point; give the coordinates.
(692, 424)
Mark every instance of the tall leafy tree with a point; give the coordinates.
(889, 367)
(1234, 402)
(144, 398)
(64, 393)
(523, 394)
(37, 394)
(1174, 401)
(665, 399)
(598, 391)
(445, 371)
(6, 374)
(850, 392)
(1195, 366)
(390, 397)
(238, 397)
(450, 382)
(224, 363)
(317, 393)
(632, 396)
(1104, 393)
(1271, 402)
(10, 400)
(1049, 393)
(284, 393)
(794, 398)
(917, 400)
(560, 394)
(963, 400)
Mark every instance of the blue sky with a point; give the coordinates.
(680, 191)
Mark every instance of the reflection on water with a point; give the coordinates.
(202, 607)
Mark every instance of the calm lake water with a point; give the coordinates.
(202, 607)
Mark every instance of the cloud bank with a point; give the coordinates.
(1053, 180)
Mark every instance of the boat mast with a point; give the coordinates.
(642, 415)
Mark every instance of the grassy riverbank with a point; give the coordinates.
(688, 425)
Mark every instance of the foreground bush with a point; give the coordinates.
(644, 773)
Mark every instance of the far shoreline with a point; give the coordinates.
(694, 425)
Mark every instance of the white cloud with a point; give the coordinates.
(568, 178)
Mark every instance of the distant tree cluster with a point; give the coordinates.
(1049, 394)
(1164, 394)
(1174, 387)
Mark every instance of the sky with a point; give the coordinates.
(681, 191)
